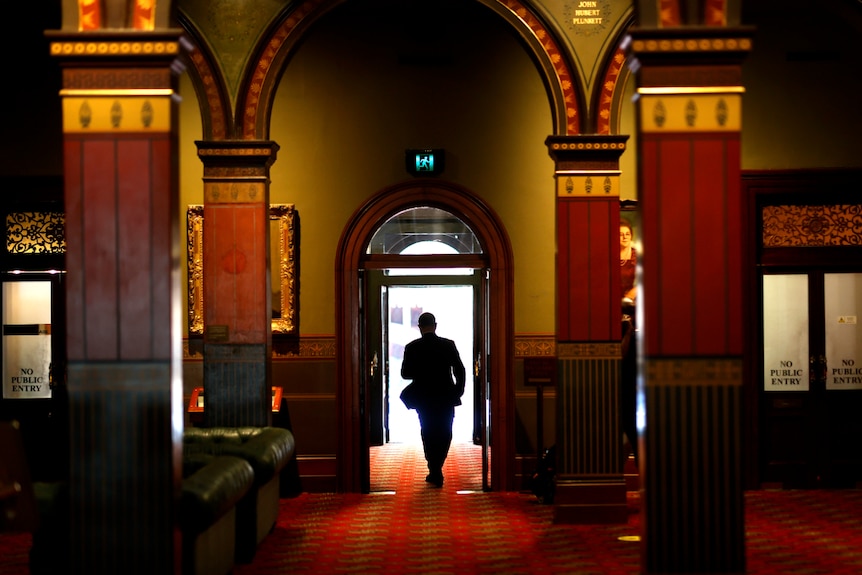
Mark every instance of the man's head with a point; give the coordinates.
(427, 322)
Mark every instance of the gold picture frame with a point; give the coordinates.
(285, 318)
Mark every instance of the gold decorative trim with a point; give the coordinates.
(126, 48)
(666, 90)
(195, 273)
(234, 192)
(116, 92)
(594, 184)
(116, 114)
(812, 226)
(695, 112)
(535, 346)
(236, 151)
(580, 146)
(218, 120)
(693, 45)
(606, 350)
(609, 86)
(36, 233)
(694, 372)
(287, 321)
(305, 347)
(316, 347)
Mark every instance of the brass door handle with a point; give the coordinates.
(374, 363)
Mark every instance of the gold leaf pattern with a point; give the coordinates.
(812, 226)
(35, 233)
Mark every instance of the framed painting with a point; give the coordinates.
(283, 260)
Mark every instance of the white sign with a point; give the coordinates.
(842, 302)
(785, 333)
(26, 339)
(26, 366)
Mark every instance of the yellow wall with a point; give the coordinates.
(345, 112)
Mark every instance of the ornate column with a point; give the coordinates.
(122, 296)
(689, 111)
(236, 287)
(590, 481)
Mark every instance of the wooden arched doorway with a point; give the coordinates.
(352, 449)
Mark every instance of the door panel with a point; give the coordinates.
(452, 299)
(483, 377)
(843, 302)
(375, 356)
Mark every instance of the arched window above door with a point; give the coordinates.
(427, 226)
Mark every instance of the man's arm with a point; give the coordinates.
(407, 364)
(458, 370)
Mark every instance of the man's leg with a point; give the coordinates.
(436, 439)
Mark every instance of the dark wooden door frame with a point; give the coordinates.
(788, 187)
(351, 453)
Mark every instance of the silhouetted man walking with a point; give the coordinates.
(434, 365)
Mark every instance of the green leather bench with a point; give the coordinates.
(212, 487)
(267, 450)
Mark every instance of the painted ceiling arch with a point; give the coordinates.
(236, 87)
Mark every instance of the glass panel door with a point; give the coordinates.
(812, 379)
(785, 332)
(842, 304)
(26, 339)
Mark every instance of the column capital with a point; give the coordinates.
(586, 151)
(118, 81)
(237, 153)
(689, 55)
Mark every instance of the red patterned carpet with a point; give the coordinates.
(407, 527)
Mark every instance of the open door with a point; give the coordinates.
(395, 299)
(376, 357)
(482, 383)
(401, 299)
(382, 235)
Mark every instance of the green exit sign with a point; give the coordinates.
(428, 162)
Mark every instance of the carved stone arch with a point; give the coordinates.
(349, 256)
(256, 99)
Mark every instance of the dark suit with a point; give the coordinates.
(432, 362)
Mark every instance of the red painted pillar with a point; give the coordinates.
(689, 111)
(590, 480)
(237, 295)
(122, 299)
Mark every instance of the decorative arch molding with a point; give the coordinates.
(255, 103)
(350, 253)
(608, 98)
(212, 95)
(608, 105)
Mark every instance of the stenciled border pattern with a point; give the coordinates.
(609, 87)
(323, 347)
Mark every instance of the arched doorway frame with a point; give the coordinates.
(349, 256)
